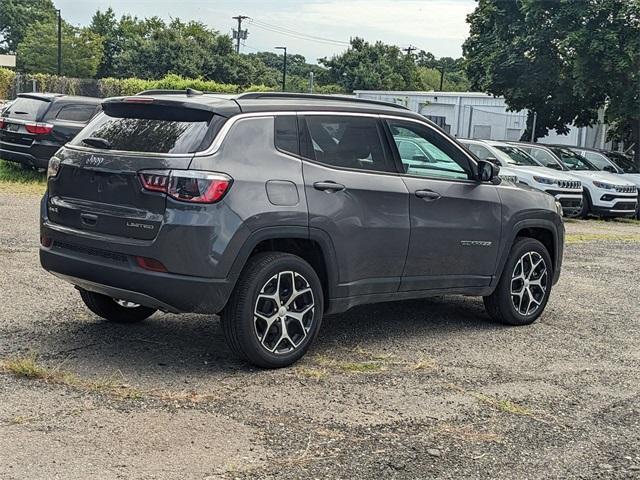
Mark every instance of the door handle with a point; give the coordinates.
(427, 195)
(89, 219)
(328, 186)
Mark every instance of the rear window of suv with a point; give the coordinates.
(24, 108)
(150, 129)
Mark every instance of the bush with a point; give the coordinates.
(7, 78)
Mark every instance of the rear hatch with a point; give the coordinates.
(20, 123)
(98, 186)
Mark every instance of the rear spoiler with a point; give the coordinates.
(219, 106)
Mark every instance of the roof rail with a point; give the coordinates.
(302, 96)
(190, 92)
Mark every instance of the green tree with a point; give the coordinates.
(107, 26)
(366, 66)
(15, 18)
(564, 60)
(81, 50)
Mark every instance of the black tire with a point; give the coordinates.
(107, 308)
(586, 205)
(240, 327)
(500, 304)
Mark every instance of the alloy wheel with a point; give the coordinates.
(284, 312)
(529, 283)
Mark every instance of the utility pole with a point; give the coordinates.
(409, 49)
(284, 68)
(59, 42)
(442, 70)
(240, 34)
(533, 127)
(310, 82)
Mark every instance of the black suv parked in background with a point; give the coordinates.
(36, 125)
(276, 209)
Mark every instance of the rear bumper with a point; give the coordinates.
(121, 278)
(37, 154)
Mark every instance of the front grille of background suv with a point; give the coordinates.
(626, 188)
(570, 184)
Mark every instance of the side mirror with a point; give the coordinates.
(493, 160)
(610, 169)
(487, 171)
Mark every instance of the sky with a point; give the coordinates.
(437, 26)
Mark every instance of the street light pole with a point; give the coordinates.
(59, 42)
(284, 68)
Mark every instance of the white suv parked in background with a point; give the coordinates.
(566, 189)
(605, 194)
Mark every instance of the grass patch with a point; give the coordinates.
(14, 179)
(506, 406)
(572, 238)
(28, 367)
(361, 367)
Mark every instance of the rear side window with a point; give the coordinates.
(76, 113)
(150, 129)
(27, 109)
(346, 142)
(286, 134)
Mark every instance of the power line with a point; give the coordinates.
(294, 34)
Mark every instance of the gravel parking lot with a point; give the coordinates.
(421, 389)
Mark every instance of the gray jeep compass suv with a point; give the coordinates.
(275, 209)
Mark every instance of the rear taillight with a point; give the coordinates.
(38, 128)
(187, 185)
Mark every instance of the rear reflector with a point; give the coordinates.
(45, 241)
(3, 124)
(150, 264)
(38, 128)
(187, 185)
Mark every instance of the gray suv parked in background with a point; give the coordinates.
(275, 209)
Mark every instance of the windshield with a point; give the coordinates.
(515, 156)
(572, 160)
(625, 163)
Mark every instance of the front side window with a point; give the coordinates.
(517, 157)
(430, 154)
(346, 142)
(597, 159)
(544, 157)
(479, 151)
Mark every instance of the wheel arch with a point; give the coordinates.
(312, 245)
(546, 231)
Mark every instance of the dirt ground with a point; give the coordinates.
(421, 389)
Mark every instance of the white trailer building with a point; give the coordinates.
(481, 116)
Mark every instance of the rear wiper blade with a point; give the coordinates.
(97, 142)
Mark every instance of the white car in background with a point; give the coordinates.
(606, 161)
(420, 151)
(566, 189)
(605, 194)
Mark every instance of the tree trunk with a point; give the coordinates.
(635, 139)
